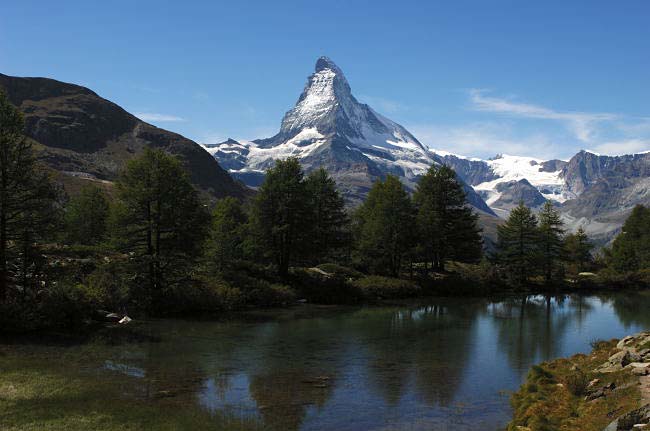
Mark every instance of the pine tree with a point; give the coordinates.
(631, 248)
(227, 233)
(28, 204)
(384, 226)
(329, 220)
(447, 226)
(86, 216)
(577, 249)
(281, 214)
(550, 240)
(159, 219)
(517, 244)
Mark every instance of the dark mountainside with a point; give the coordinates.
(83, 136)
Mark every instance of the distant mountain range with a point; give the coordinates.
(593, 191)
(328, 127)
(84, 137)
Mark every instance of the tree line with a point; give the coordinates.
(154, 233)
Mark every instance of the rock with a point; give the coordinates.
(640, 371)
(593, 383)
(624, 342)
(631, 420)
(595, 395)
(616, 362)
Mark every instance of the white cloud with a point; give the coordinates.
(584, 125)
(630, 146)
(485, 140)
(156, 117)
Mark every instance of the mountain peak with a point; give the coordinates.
(326, 63)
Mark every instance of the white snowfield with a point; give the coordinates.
(514, 168)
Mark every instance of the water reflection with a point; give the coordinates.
(439, 365)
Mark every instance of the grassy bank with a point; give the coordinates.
(568, 394)
(51, 390)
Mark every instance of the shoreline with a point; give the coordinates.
(606, 390)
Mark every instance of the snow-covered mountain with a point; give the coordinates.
(591, 190)
(328, 127)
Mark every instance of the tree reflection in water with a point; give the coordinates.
(361, 368)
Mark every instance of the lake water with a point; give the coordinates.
(437, 364)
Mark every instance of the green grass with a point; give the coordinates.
(552, 398)
(52, 392)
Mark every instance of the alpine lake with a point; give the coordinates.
(432, 364)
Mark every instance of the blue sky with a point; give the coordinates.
(477, 78)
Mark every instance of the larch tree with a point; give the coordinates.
(446, 224)
(86, 216)
(329, 219)
(577, 249)
(159, 219)
(551, 240)
(517, 244)
(227, 233)
(384, 227)
(281, 213)
(28, 204)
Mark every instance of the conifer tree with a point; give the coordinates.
(384, 226)
(447, 226)
(281, 213)
(329, 220)
(159, 219)
(550, 240)
(86, 216)
(227, 233)
(28, 204)
(517, 245)
(577, 249)
(631, 248)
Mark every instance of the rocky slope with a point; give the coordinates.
(591, 190)
(328, 127)
(608, 390)
(85, 137)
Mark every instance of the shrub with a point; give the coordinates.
(108, 287)
(375, 286)
(321, 288)
(259, 292)
(201, 296)
(65, 305)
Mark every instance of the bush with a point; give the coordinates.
(108, 287)
(64, 305)
(321, 288)
(260, 292)
(201, 296)
(375, 286)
